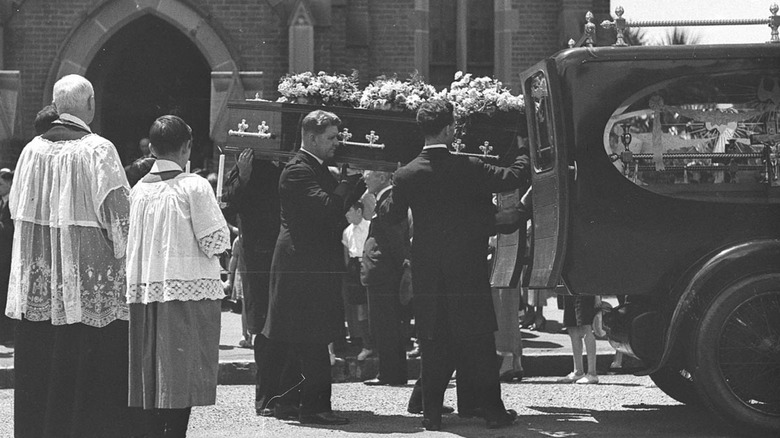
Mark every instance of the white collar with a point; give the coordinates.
(315, 157)
(381, 192)
(160, 166)
(73, 119)
(434, 146)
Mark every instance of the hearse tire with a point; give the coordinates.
(677, 384)
(737, 353)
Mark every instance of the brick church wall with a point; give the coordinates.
(256, 33)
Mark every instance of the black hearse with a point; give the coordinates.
(655, 176)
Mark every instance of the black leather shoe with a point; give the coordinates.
(377, 382)
(429, 424)
(265, 412)
(326, 418)
(286, 412)
(511, 375)
(471, 413)
(419, 410)
(503, 421)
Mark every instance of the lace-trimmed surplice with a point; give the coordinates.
(173, 224)
(70, 206)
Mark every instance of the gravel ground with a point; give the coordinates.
(620, 406)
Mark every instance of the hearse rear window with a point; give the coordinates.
(542, 115)
(704, 137)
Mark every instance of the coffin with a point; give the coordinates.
(384, 140)
(272, 130)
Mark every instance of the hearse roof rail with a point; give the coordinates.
(621, 25)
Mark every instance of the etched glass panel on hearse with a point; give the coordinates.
(700, 137)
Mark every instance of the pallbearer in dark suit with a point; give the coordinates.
(252, 193)
(384, 253)
(305, 309)
(451, 201)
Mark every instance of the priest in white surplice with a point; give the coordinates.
(70, 208)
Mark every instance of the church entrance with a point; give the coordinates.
(147, 69)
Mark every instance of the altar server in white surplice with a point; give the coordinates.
(173, 284)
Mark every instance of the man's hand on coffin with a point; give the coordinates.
(351, 185)
(244, 164)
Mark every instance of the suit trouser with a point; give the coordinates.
(465, 392)
(385, 319)
(275, 374)
(308, 366)
(474, 359)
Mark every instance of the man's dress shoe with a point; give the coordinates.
(377, 382)
(505, 420)
(286, 412)
(326, 418)
(471, 413)
(265, 412)
(419, 410)
(429, 424)
(508, 376)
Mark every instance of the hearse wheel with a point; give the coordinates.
(738, 353)
(677, 384)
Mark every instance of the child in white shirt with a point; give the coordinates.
(355, 298)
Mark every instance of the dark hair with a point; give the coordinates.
(433, 116)
(316, 122)
(6, 174)
(357, 205)
(44, 118)
(168, 133)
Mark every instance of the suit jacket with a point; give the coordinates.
(308, 263)
(386, 247)
(451, 201)
(256, 204)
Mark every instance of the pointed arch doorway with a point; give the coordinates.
(146, 69)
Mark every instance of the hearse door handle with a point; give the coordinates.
(574, 168)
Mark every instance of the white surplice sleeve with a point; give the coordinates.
(209, 224)
(114, 216)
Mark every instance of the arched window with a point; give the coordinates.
(461, 38)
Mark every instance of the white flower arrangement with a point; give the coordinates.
(468, 95)
(390, 93)
(480, 95)
(320, 89)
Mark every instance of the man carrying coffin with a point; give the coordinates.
(305, 310)
(251, 193)
(451, 201)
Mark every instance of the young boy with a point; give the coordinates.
(174, 288)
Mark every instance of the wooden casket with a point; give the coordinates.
(374, 139)
(384, 140)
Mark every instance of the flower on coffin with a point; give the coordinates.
(482, 95)
(322, 88)
(390, 93)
